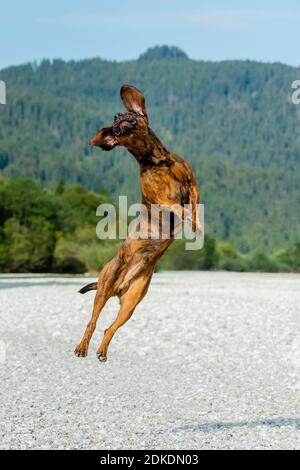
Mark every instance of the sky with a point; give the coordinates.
(262, 30)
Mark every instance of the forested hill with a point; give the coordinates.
(233, 120)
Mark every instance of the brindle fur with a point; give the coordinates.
(165, 179)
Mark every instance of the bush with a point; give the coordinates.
(230, 260)
(262, 263)
(42, 231)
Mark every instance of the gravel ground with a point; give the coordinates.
(208, 361)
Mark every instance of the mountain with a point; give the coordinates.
(162, 53)
(233, 120)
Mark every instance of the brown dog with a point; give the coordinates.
(165, 179)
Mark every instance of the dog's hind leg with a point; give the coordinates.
(128, 301)
(104, 292)
(99, 302)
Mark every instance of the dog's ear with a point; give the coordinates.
(134, 100)
(104, 139)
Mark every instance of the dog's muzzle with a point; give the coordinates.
(124, 123)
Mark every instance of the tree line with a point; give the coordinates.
(55, 231)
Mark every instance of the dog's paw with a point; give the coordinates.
(81, 351)
(102, 356)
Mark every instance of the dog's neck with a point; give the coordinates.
(149, 150)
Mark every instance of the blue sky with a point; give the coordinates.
(265, 30)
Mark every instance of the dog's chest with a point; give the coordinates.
(159, 185)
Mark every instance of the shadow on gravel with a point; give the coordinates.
(209, 427)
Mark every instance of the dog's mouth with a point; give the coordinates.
(124, 123)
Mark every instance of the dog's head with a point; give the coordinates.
(127, 127)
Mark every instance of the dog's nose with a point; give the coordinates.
(116, 116)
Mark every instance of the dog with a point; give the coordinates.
(166, 180)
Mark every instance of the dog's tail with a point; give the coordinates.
(88, 287)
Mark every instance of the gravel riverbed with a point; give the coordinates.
(208, 361)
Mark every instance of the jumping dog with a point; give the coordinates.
(166, 180)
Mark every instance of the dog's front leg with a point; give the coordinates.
(186, 215)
